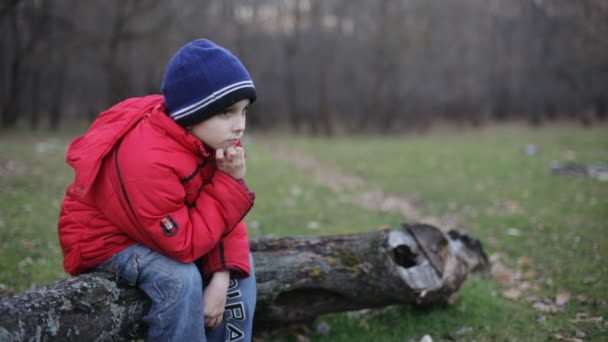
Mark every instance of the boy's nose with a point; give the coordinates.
(239, 124)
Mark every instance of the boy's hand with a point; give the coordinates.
(214, 298)
(232, 161)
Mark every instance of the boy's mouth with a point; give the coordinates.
(232, 142)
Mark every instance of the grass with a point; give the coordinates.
(33, 180)
(481, 178)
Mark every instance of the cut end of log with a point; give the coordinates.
(428, 260)
(412, 265)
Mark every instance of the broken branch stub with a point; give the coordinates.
(298, 279)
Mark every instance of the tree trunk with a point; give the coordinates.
(56, 105)
(10, 110)
(34, 106)
(298, 279)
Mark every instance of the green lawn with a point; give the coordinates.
(482, 179)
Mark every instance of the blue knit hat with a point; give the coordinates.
(203, 79)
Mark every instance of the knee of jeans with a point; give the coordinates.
(177, 285)
(191, 280)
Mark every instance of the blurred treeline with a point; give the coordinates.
(320, 66)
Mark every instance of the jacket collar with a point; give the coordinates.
(164, 123)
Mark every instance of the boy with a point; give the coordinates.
(159, 197)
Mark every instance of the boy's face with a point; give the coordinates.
(223, 129)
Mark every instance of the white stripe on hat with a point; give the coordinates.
(210, 99)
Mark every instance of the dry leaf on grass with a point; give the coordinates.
(503, 276)
(582, 298)
(562, 338)
(24, 263)
(527, 286)
(584, 317)
(463, 331)
(362, 314)
(562, 298)
(512, 294)
(588, 280)
(524, 262)
(502, 273)
(302, 338)
(546, 306)
(512, 207)
(532, 299)
(495, 257)
(514, 232)
(313, 225)
(528, 275)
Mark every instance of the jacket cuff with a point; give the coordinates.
(244, 185)
(231, 253)
(209, 266)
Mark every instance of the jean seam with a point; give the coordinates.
(169, 300)
(133, 276)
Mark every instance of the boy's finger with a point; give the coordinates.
(239, 153)
(230, 151)
(215, 321)
(209, 321)
(219, 154)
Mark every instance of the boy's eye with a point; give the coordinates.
(231, 111)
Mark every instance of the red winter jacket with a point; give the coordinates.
(141, 178)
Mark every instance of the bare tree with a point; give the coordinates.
(27, 25)
(325, 24)
(290, 49)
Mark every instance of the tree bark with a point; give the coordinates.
(298, 279)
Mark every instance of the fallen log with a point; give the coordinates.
(298, 279)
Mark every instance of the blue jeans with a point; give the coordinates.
(176, 291)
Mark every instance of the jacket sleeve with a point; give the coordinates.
(155, 198)
(231, 253)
